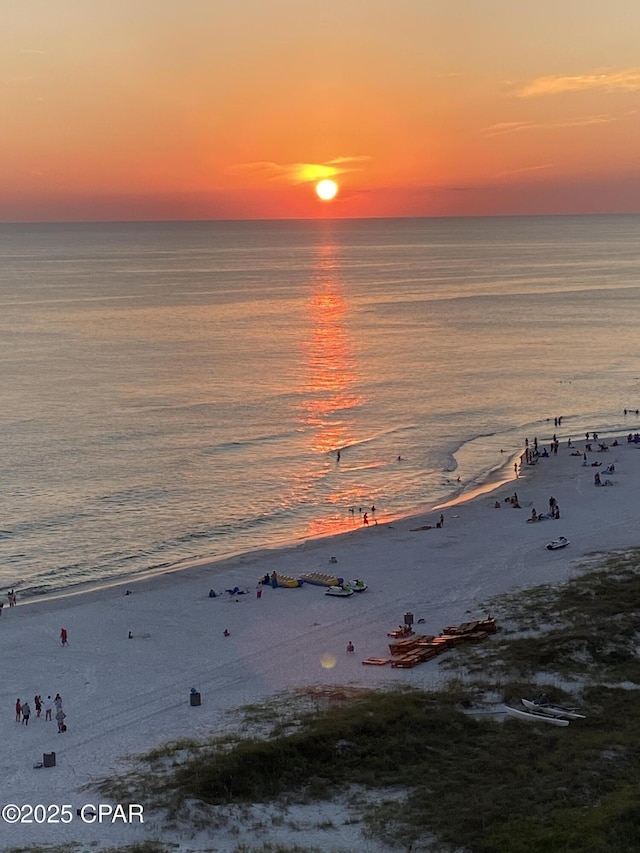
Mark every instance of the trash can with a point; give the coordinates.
(194, 698)
(49, 759)
(408, 619)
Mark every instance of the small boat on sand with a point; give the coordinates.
(535, 716)
(553, 710)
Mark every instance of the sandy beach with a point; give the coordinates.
(126, 695)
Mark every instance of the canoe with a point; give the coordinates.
(535, 716)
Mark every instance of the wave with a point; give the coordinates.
(377, 436)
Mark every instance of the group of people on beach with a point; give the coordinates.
(11, 596)
(532, 454)
(590, 437)
(23, 710)
(554, 511)
(365, 515)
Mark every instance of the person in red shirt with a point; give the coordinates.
(63, 636)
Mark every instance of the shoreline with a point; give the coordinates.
(491, 478)
(217, 566)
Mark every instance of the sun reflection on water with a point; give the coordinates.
(331, 392)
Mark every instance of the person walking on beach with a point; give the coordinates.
(350, 648)
(58, 702)
(26, 713)
(18, 711)
(37, 701)
(63, 637)
(48, 708)
(365, 519)
(60, 718)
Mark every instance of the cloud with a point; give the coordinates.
(518, 126)
(523, 169)
(507, 127)
(609, 81)
(301, 173)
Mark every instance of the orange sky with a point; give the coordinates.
(196, 109)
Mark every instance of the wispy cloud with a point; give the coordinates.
(503, 127)
(609, 81)
(300, 173)
(523, 169)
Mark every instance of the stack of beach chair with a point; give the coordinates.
(473, 632)
(409, 649)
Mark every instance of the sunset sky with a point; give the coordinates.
(216, 109)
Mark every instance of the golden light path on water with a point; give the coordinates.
(331, 389)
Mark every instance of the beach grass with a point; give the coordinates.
(74, 847)
(586, 628)
(445, 764)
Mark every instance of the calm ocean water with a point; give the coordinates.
(172, 392)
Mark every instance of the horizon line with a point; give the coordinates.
(234, 219)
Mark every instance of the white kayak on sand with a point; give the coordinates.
(553, 710)
(560, 542)
(535, 716)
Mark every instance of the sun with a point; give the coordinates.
(327, 189)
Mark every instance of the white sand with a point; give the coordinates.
(123, 696)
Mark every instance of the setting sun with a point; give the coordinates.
(326, 189)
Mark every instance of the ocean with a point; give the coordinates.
(173, 392)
